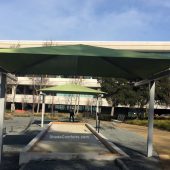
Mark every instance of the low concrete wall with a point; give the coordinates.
(22, 157)
(109, 145)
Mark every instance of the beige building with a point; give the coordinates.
(125, 45)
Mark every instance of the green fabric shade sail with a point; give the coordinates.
(71, 89)
(83, 60)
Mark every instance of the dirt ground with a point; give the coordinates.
(161, 141)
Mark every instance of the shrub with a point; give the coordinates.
(160, 124)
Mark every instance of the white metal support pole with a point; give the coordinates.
(43, 110)
(2, 109)
(150, 118)
(97, 111)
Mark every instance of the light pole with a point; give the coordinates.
(97, 112)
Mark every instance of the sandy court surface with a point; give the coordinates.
(161, 141)
(70, 128)
(69, 138)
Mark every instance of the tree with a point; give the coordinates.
(116, 91)
(163, 92)
(37, 84)
(121, 91)
(142, 95)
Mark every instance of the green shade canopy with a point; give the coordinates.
(72, 89)
(83, 60)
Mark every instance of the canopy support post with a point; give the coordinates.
(2, 110)
(97, 111)
(150, 119)
(43, 109)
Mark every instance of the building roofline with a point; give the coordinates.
(163, 46)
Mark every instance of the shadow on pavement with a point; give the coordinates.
(71, 165)
(17, 139)
(38, 122)
(10, 161)
(138, 160)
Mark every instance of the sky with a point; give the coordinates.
(85, 20)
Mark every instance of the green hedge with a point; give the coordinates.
(160, 124)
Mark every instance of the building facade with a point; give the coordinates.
(25, 91)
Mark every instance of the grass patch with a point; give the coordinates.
(160, 124)
(7, 117)
(47, 116)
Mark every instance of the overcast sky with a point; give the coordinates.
(98, 20)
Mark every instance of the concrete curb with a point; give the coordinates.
(32, 143)
(111, 146)
(22, 167)
(116, 121)
(37, 138)
(120, 164)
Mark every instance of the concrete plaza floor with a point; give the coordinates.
(20, 136)
(161, 140)
(130, 142)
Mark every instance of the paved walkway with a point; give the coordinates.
(131, 143)
(90, 144)
(18, 136)
(71, 165)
